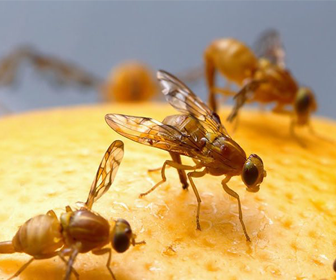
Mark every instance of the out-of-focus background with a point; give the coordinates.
(165, 35)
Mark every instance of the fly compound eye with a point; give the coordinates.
(121, 236)
(253, 173)
(250, 173)
(303, 101)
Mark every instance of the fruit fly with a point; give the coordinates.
(196, 133)
(62, 72)
(263, 79)
(80, 231)
(128, 82)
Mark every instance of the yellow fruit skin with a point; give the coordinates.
(48, 160)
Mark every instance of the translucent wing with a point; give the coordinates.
(185, 101)
(242, 97)
(106, 172)
(269, 46)
(151, 132)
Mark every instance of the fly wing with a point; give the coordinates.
(166, 137)
(151, 132)
(185, 101)
(269, 46)
(106, 172)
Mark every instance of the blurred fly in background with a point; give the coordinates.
(100, 37)
(128, 82)
(262, 76)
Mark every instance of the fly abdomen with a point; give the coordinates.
(40, 235)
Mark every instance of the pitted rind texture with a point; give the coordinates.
(49, 159)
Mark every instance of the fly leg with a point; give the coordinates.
(155, 169)
(279, 109)
(104, 251)
(242, 97)
(294, 135)
(6, 247)
(163, 175)
(210, 73)
(235, 195)
(191, 175)
(73, 254)
(225, 91)
(61, 256)
(183, 177)
(46, 256)
(22, 268)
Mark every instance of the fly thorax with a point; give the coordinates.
(88, 228)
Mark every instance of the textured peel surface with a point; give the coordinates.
(49, 159)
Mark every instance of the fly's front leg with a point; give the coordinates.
(104, 251)
(191, 175)
(163, 174)
(293, 134)
(279, 109)
(235, 195)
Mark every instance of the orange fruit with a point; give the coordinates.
(49, 159)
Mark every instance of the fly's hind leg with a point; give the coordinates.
(163, 173)
(210, 73)
(183, 177)
(235, 195)
(45, 256)
(6, 247)
(279, 109)
(294, 135)
(191, 175)
(22, 268)
(243, 96)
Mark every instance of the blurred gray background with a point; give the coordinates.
(165, 35)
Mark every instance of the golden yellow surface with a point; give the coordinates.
(49, 159)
